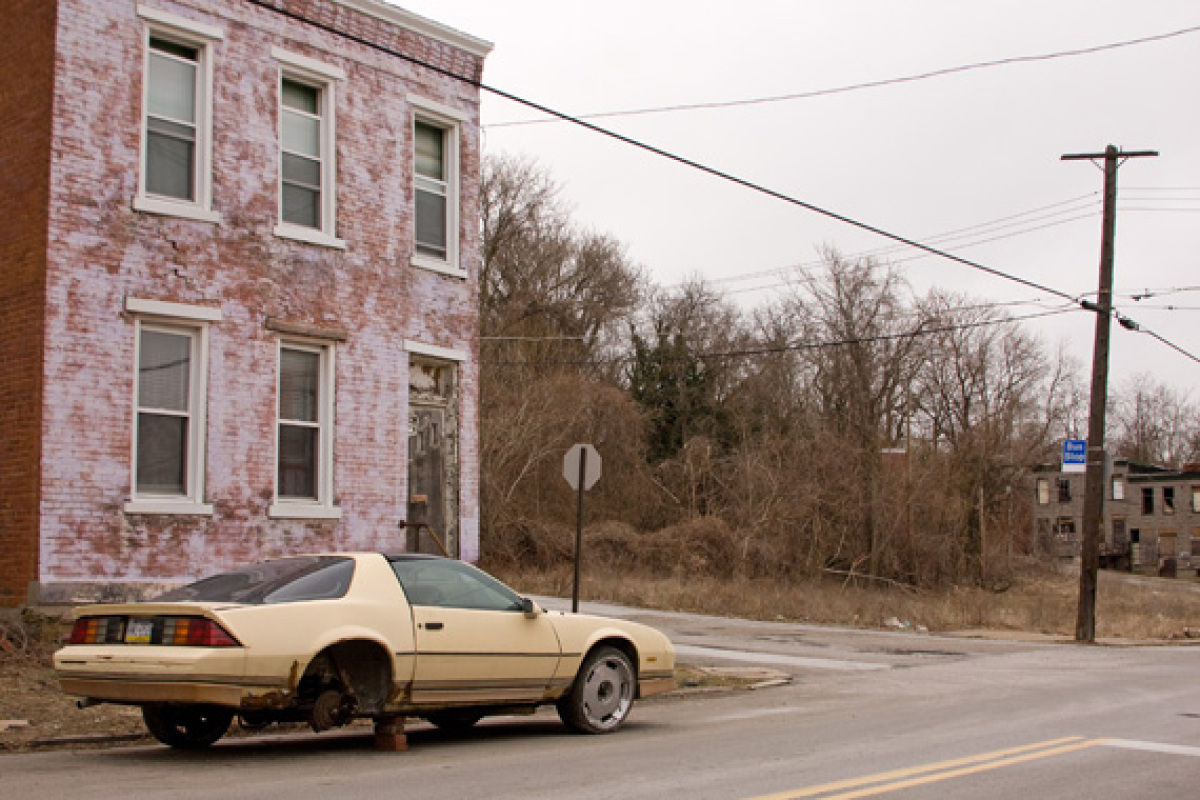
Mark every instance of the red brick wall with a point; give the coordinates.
(26, 93)
(102, 251)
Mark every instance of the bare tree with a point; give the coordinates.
(550, 292)
(1154, 423)
(862, 350)
(979, 393)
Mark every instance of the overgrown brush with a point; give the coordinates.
(1038, 602)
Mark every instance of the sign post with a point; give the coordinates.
(581, 468)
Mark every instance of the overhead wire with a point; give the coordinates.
(920, 330)
(721, 174)
(938, 73)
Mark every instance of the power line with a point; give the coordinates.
(658, 151)
(920, 330)
(726, 176)
(854, 87)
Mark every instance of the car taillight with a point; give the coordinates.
(175, 631)
(95, 630)
(195, 632)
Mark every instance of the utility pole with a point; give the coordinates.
(1093, 498)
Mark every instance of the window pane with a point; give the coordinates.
(302, 171)
(279, 581)
(170, 165)
(301, 206)
(162, 454)
(175, 49)
(164, 371)
(298, 449)
(431, 224)
(302, 134)
(430, 151)
(171, 88)
(300, 97)
(299, 374)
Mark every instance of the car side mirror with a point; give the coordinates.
(529, 608)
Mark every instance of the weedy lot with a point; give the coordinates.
(1038, 600)
(34, 712)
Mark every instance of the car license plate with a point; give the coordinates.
(138, 631)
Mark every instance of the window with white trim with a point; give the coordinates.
(304, 440)
(301, 149)
(307, 148)
(176, 161)
(170, 407)
(436, 196)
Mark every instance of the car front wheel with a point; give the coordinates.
(602, 696)
(187, 727)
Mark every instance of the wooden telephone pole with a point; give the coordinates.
(1093, 498)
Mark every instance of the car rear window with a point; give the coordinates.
(285, 580)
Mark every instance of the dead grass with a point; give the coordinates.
(32, 699)
(1039, 602)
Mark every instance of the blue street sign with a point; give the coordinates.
(1074, 455)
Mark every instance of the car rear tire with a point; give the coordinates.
(187, 727)
(602, 695)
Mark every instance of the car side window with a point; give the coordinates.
(453, 584)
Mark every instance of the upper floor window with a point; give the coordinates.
(1118, 488)
(304, 439)
(307, 150)
(176, 170)
(1196, 499)
(171, 120)
(1064, 490)
(1043, 491)
(170, 401)
(436, 194)
(1148, 500)
(301, 148)
(1168, 500)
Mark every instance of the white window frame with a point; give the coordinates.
(160, 24)
(451, 122)
(323, 77)
(193, 321)
(322, 506)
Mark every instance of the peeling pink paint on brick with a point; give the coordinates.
(101, 252)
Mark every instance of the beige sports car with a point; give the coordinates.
(326, 639)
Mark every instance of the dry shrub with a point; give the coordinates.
(530, 545)
(704, 546)
(1038, 602)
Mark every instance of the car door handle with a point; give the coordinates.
(434, 626)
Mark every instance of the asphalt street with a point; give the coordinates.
(867, 713)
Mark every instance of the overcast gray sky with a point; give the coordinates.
(921, 158)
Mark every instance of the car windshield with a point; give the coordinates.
(286, 580)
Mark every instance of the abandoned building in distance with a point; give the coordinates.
(239, 294)
(1151, 521)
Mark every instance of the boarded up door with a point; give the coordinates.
(427, 454)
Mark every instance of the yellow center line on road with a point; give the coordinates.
(931, 773)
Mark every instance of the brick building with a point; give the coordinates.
(1151, 516)
(239, 257)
